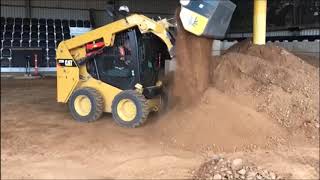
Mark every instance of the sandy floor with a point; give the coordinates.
(39, 139)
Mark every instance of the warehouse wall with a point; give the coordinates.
(60, 13)
(72, 9)
(79, 9)
(13, 2)
(309, 48)
(163, 8)
(151, 8)
(70, 4)
(11, 10)
(61, 9)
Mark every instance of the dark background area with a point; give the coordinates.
(282, 15)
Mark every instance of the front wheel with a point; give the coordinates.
(130, 109)
(86, 105)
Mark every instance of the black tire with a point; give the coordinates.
(142, 110)
(97, 104)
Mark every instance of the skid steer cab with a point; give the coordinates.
(115, 68)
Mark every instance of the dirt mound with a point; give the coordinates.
(192, 75)
(276, 55)
(219, 123)
(206, 118)
(273, 81)
(259, 97)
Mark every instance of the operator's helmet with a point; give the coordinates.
(184, 2)
(124, 9)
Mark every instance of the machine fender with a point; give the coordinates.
(67, 73)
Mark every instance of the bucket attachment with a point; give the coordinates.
(208, 18)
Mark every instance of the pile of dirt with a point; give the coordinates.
(192, 75)
(271, 80)
(203, 117)
(220, 124)
(220, 168)
(259, 97)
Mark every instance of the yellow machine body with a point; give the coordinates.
(72, 76)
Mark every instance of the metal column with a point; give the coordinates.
(260, 22)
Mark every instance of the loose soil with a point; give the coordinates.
(192, 75)
(259, 97)
(40, 140)
(274, 82)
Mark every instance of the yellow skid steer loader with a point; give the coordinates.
(117, 68)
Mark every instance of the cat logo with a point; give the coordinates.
(66, 62)
(195, 22)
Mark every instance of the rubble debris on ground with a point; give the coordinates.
(221, 168)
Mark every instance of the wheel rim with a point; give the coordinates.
(127, 110)
(82, 105)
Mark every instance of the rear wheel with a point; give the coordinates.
(86, 105)
(130, 109)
